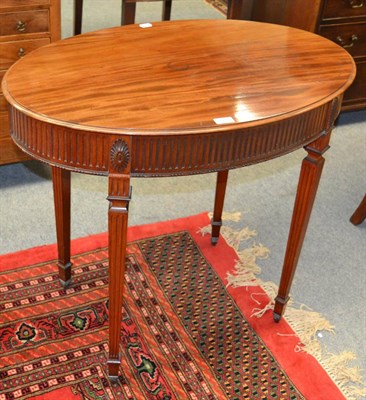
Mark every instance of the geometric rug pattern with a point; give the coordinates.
(184, 334)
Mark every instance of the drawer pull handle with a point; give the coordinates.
(21, 26)
(346, 45)
(21, 52)
(356, 4)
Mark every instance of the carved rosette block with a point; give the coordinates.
(335, 109)
(119, 155)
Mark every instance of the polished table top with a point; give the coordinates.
(178, 77)
(176, 98)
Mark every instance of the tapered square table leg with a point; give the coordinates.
(117, 228)
(119, 195)
(221, 182)
(310, 173)
(61, 179)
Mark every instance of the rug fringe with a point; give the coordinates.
(339, 368)
(305, 322)
(246, 268)
(235, 238)
(229, 216)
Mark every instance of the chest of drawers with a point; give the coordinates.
(24, 26)
(342, 21)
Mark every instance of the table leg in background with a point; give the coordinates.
(221, 182)
(310, 173)
(61, 179)
(167, 9)
(128, 12)
(360, 214)
(78, 16)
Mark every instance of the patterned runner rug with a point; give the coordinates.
(184, 335)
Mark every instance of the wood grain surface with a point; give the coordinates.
(178, 76)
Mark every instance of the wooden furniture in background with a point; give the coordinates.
(24, 26)
(233, 93)
(342, 21)
(127, 15)
(129, 11)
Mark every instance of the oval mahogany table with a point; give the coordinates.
(176, 98)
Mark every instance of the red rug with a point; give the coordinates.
(183, 334)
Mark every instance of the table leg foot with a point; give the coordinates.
(279, 308)
(66, 284)
(214, 241)
(113, 368)
(216, 222)
(64, 273)
(276, 317)
(215, 232)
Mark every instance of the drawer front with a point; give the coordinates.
(15, 23)
(352, 37)
(2, 73)
(357, 91)
(344, 9)
(3, 104)
(9, 152)
(13, 51)
(4, 126)
(22, 4)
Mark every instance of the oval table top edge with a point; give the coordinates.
(225, 126)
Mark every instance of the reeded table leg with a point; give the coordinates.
(216, 222)
(309, 179)
(62, 194)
